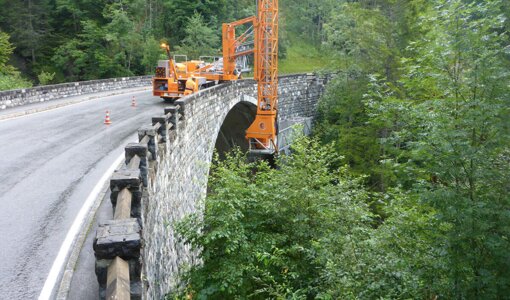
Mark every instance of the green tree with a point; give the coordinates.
(260, 230)
(9, 77)
(151, 54)
(453, 136)
(364, 38)
(45, 77)
(6, 50)
(200, 38)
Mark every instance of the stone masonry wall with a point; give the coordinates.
(19, 97)
(180, 182)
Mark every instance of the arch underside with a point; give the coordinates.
(233, 130)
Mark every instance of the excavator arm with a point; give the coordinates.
(171, 61)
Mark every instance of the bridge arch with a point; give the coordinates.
(213, 118)
(234, 126)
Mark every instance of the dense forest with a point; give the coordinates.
(53, 41)
(403, 192)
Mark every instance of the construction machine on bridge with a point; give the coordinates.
(175, 79)
(173, 74)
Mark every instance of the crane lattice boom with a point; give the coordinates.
(262, 133)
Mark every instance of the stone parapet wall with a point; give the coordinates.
(181, 181)
(183, 166)
(176, 153)
(38, 94)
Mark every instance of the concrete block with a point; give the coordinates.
(174, 118)
(130, 179)
(163, 130)
(133, 149)
(118, 238)
(151, 132)
(141, 150)
(182, 106)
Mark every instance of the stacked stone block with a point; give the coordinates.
(38, 94)
(181, 182)
(171, 180)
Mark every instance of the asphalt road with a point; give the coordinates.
(49, 163)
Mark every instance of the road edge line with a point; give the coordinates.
(67, 276)
(76, 228)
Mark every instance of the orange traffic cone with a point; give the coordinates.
(107, 120)
(133, 102)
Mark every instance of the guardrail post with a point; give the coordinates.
(130, 179)
(153, 140)
(141, 150)
(163, 129)
(117, 238)
(175, 115)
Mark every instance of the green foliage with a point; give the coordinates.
(364, 38)
(434, 124)
(259, 229)
(45, 77)
(306, 18)
(464, 141)
(9, 77)
(151, 54)
(6, 50)
(102, 51)
(13, 81)
(305, 231)
(199, 38)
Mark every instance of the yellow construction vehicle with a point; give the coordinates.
(174, 80)
(170, 80)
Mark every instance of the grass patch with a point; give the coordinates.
(302, 57)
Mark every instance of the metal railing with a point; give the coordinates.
(288, 135)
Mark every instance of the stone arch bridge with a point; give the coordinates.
(165, 176)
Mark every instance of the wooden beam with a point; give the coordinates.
(123, 207)
(117, 282)
(134, 163)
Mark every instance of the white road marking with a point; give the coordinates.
(63, 253)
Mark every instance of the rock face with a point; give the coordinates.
(19, 97)
(183, 158)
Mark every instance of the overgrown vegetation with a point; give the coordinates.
(406, 194)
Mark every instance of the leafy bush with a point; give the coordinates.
(301, 231)
(12, 82)
(45, 77)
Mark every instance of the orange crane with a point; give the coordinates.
(263, 132)
(260, 39)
